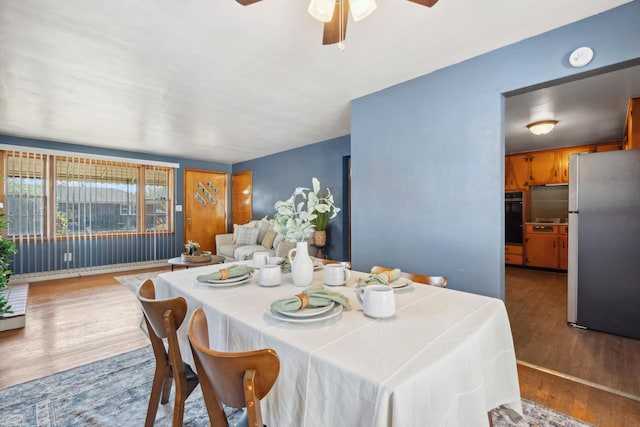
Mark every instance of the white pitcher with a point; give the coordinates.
(301, 265)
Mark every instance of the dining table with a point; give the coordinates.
(445, 358)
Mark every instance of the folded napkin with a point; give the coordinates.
(383, 278)
(315, 296)
(226, 273)
(285, 265)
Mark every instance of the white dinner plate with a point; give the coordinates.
(336, 284)
(307, 312)
(400, 283)
(337, 309)
(228, 282)
(317, 265)
(403, 288)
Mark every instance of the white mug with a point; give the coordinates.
(377, 301)
(270, 275)
(260, 259)
(336, 274)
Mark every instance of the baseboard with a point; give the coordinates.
(88, 271)
(579, 380)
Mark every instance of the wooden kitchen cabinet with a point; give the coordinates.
(541, 246)
(563, 248)
(516, 172)
(632, 129)
(544, 167)
(608, 146)
(565, 153)
(513, 254)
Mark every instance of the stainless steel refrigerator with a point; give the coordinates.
(604, 242)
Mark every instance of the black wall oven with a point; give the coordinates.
(513, 215)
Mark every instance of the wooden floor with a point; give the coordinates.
(75, 321)
(536, 302)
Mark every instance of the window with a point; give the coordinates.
(25, 199)
(156, 195)
(85, 196)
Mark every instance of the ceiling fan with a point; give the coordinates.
(334, 14)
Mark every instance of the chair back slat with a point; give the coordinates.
(155, 310)
(163, 318)
(228, 374)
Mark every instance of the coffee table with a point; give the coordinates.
(215, 259)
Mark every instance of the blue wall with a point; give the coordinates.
(428, 154)
(275, 178)
(47, 256)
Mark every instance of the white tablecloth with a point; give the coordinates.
(445, 359)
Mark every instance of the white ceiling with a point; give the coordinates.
(214, 80)
(590, 110)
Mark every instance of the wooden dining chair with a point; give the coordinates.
(163, 317)
(439, 281)
(238, 380)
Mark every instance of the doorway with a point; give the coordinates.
(536, 299)
(241, 197)
(205, 206)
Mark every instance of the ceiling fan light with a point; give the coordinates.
(322, 10)
(360, 9)
(542, 127)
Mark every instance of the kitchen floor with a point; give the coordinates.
(536, 302)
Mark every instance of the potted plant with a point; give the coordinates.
(306, 213)
(320, 203)
(191, 247)
(7, 249)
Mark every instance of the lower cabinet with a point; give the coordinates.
(513, 254)
(563, 247)
(546, 246)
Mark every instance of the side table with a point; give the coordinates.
(215, 259)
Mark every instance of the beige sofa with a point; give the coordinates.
(254, 236)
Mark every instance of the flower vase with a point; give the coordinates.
(301, 264)
(320, 241)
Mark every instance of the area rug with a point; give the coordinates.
(115, 391)
(133, 281)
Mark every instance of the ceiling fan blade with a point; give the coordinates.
(332, 33)
(247, 2)
(427, 3)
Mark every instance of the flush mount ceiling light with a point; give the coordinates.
(542, 127)
(334, 15)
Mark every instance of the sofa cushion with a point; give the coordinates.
(247, 235)
(268, 239)
(246, 252)
(226, 250)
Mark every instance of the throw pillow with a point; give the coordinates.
(267, 240)
(251, 223)
(247, 235)
(279, 238)
(263, 226)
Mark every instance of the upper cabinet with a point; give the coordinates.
(565, 153)
(543, 167)
(516, 172)
(632, 130)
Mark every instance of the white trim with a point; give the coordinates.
(87, 155)
(579, 380)
(87, 271)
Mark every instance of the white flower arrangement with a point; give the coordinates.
(306, 211)
(191, 247)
